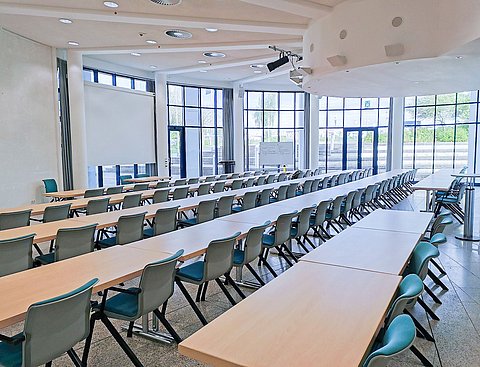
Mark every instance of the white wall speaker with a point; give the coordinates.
(395, 50)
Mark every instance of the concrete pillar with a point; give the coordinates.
(314, 132)
(77, 119)
(397, 133)
(161, 114)
(238, 128)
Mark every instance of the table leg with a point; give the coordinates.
(153, 334)
(469, 215)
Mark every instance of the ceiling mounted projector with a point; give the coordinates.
(166, 2)
(277, 63)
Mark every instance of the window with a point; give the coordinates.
(198, 113)
(273, 117)
(438, 131)
(354, 123)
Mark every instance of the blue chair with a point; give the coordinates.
(50, 185)
(129, 229)
(52, 327)
(123, 179)
(205, 213)
(301, 226)
(165, 221)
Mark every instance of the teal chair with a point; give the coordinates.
(70, 242)
(9, 220)
(224, 205)
(437, 237)
(301, 226)
(165, 221)
(123, 178)
(264, 197)
(50, 185)
(142, 175)
(333, 214)
(154, 290)
(161, 196)
(292, 190)
(318, 219)
(248, 201)
(203, 189)
(217, 262)
(91, 193)
(132, 201)
(52, 328)
(281, 194)
(205, 213)
(16, 254)
(129, 229)
(398, 338)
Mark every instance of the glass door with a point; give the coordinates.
(177, 153)
(360, 148)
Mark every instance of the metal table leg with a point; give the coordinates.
(469, 214)
(153, 334)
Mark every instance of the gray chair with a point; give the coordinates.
(52, 328)
(217, 262)
(237, 184)
(114, 190)
(325, 183)
(165, 221)
(161, 196)
(224, 177)
(264, 197)
(16, 255)
(301, 226)
(318, 219)
(180, 182)
(129, 229)
(342, 178)
(205, 213)
(282, 177)
(235, 175)
(97, 206)
(271, 178)
(154, 290)
(281, 194)
(257, 173)
(333, 181)
(307, 187)
(218, 187)
(209, 178)
(262, 180)
(316, 184)
(57, 212)
(203, 189)
(91, 193)
(70, 242)
(140, 187)
(180, 193)
(248, 201)
(132, 201)
(224, 205)
(192, 181)
(252, 249)
(250, 182)
(333, 214)
(162, 184)
(292, 190)
(11, 220)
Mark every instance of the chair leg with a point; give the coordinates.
(128, 351)
(437, 280)
(290, 253)
(420, 327)
(235, 286)
(282, 254)
(75, 359)
(255, 274)
(310, 242)
(433, 295)
(432, 314)
(191, 302)
(48, 364)
(199, 293)
(439, 267)
(167, 325)
(131, 324)
(302, 245)
(225, 291)
(421, 357)
(268, 266)
(204, 291)
(88, 341)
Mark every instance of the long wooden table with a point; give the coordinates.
(438, 181)
(147, 179)
(311, 315)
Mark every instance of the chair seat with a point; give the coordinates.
(268, 240)
(293, 232)
(188, 222)
(148, 232)
(298, 193)
(108, 242)
(273, 200)
(237, 209)
(438, 238)
(191, 272)
(46, 259)
(122, 305)
(328, 216)
(238, 257)
(448, 199)
(10, 355)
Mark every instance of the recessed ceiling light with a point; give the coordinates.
(257, 66)
(211, 29)
(135, 54)
(202, 62)
(257, 71)
(73, 43)
(347, 71)
(178, 33)
(397, 62)
(214, 54)
(110, 4)
(65, 21)
(203, 71)
(151, 42)
(153, 67)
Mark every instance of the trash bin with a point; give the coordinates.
(228, 166)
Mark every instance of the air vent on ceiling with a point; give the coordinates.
(178, 33)
(166, 2)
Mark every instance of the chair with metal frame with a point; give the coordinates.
(282, 177)
(224, 205)
(132, 201)
(114, 190)
(180, 182)
(203, 189)
(333, 214)
(224, 177)
(271, 178)
(16, 254)
(236, 184)
(318, 219)
(210, 178)
(218, 186)
(262, 180)
(162, 184)
(315, 184)
(180, 193)
(301, 226)
(264, 197)
(161, 196)
(123, 179)
(50, 185)
(9, 220)
(97, 206)
(128, 229)
(140, 187)
(204, 213)
(292, 190)
(192, 181)
(57, 212)
(165, 221)
(250, 182)
(280, 195)
(248, 201)
(91, 193)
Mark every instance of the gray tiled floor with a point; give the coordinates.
(457, 334)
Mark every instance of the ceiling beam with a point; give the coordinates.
(152, 19)
(303, 8)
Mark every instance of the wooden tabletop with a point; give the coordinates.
(147, 179)
(367, 249)
(311, 315)
(43, 231)
(439, 181)
(111, 266)
(396, 220)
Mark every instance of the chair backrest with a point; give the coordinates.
(349, 201)
(409, 289)
(253, 242)
(422, 254)
(114, 190)
(97, 206)
(165, 220)
(180, 193)
(250, 182)
(398, 337)
(206, 210)
(307, 173)
(160, 196)
(192, 181)
(219, 257)
(337, 206)
(57, 212)
(140, 187)
(342, 178)
(237, 184)
(16, 254)
(325, 182)
(91, 193)
(209, 178)
(357, 198)
(50, 185)
(203, 189)
(264, 197)
(222, 177)
(307, 186)
(283, 227)
(316, 184)
(282, 177)
(11, 220)
(224, 205)
(249, 200)
(321, 212)
(292, 190)
(54, 326)
(261, 180)
(180, 182)
(219, 186)
(439, 224)
(303, 224)
(296, 174)
(162, 184)
(156, 284)
(130, 228)
(257, 173)
(132, 201)
(271, 178)
(282, 192)
(236, 175)
(369, 191)
(71, 242)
